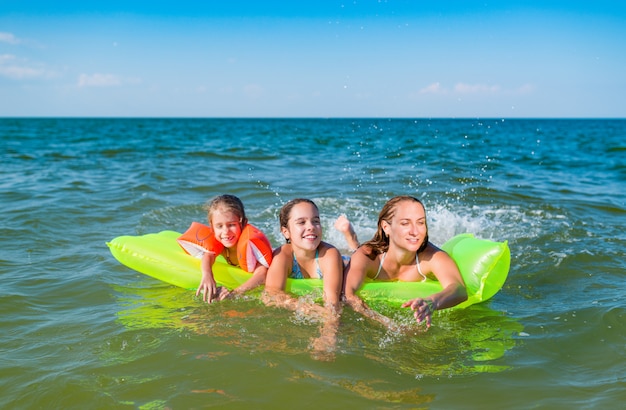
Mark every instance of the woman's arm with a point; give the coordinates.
(454, 292)
(356, 273)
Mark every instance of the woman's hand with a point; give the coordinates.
(423, 309)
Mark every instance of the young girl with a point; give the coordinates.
(227, 220)
(400, 251)
(304, 256)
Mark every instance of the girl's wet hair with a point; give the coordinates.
(380, 242)
(285, 211)
(227, 203)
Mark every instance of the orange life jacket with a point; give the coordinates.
(252, 247)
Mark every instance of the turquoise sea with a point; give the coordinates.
(79, 330)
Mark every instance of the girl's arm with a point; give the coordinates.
(275, 295)
(257, 279)
(278, 271)
(447, 273)
(207, 286)
(331, 265)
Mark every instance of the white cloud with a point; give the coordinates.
(6, 58)
(98, 80)
(8, 38)
(463, 88)
(12, 67)
(104, 80)
(434, 88)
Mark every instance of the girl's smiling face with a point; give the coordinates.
(304, 229)
(227, 227)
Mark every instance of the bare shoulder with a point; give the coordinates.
(327, 248)
(329, 252)
(362, 262)
(432, 252)
(284, 249)
(438, 254)
(282, 255)
(438, 263)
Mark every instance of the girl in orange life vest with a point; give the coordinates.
(400, 250)
(228, 221)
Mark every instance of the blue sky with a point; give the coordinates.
(364, 58)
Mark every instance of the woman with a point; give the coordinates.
(400, 251)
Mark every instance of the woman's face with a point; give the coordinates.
(227, 227)
(407, 229)
(304, 229)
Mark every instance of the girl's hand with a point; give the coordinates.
(356, 303)
(208, 288)
(223, 293)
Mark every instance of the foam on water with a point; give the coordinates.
(79, 329)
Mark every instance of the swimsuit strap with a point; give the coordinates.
(382, 259)
(417, 263)
(419, 270)
(296, 273)
(317, 263)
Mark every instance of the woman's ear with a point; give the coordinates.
(385, 227)
(285, 233)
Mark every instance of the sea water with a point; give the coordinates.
(79, 330)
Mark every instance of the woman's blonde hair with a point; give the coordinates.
(380, 242)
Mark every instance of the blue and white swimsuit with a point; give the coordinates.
(296, 273)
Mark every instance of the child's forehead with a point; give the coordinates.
(224, 214)
(304, 210)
